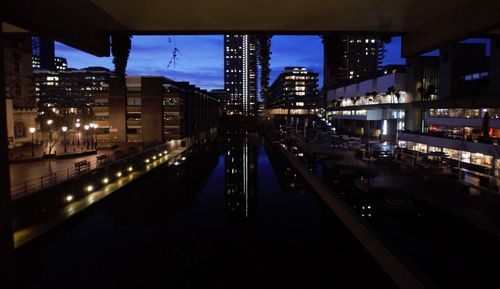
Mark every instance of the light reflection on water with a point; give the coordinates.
(232, 219)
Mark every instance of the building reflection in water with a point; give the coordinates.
(240, 174)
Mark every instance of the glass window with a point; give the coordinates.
(480, 159)
(451, 153)
(465, 157)
(133, 101)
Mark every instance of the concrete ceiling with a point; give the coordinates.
(87, 24)
(286, 16)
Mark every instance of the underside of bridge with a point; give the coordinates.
(87, 25)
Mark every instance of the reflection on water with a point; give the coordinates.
(226, 221)
(240, 175)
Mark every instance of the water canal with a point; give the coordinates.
(232, 216)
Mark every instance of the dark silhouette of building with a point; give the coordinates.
(222, 96)
(43, 53)
(350, 58)
(240, 74)
(69, 89)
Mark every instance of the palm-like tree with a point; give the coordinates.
(120, 47)
(264, 55)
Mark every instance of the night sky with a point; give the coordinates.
(200, 60)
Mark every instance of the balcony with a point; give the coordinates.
(369, 100)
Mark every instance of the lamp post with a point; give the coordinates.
(64, 129)
(92, 125)
(49, 123)
(95, 135)
(78, 129)
(32, 131)
(86, 127)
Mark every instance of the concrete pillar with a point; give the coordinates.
(495, 68)
(6, 240)
(117, 110)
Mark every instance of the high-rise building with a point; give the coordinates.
(43, 53)
(240, 74)
(60, 63)
(295, 88)
(69, 89)
(222, 96)
(350, 59)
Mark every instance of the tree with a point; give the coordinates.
(431, 90)
(264, 57)
(393, 92)
(120, 48)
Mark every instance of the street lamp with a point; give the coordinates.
(86, 127)
(78, 127)
(95, 135)
(92, 125)
(32, 131)
(49, 122)
(64, 129)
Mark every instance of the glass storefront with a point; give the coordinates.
(480, 159)
(451, 153)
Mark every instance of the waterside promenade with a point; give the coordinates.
(26, 234)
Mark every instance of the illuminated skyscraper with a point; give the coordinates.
(240, 74)
(351, 59)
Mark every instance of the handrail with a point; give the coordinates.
(32, 186)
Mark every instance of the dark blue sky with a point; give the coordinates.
(201, 57)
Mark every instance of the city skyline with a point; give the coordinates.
(201, 57)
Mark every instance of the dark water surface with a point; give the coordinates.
(232, 218)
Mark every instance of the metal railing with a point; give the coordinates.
(32, 186)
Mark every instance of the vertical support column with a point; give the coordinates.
(6, 240)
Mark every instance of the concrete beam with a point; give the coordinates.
(6, 239)
(62, 21)
(467, 20)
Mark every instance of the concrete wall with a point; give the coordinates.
(117, 111)
(352, 90)
(495, 68)
(152, 117)
(367, 86)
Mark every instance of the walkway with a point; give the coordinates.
(25, 235)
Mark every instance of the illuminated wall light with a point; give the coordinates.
(105, 180)
(146, 161)
(183, 158)
(130, 169)
(165, 152)
(154, 157)
(118, 174)
(69, 198)
(177, 163)
(160, 154)
(89, 188)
